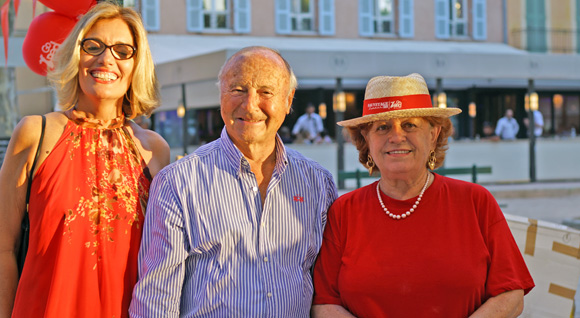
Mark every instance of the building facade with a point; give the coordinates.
(487, 53)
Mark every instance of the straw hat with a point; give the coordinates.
(389, 97)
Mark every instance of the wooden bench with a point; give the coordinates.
(363, 174)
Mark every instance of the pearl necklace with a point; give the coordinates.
(406, 214)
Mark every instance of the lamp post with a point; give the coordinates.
(531, 105)
(181, 112)
(339, 107)
(472, 111)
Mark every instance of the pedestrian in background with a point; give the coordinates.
(90, 186)
(309, 124)
(538, 123)
(507, 127)
(414, 243)
(233, 229)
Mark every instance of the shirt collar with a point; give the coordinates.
(235, 157)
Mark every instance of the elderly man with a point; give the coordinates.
(233, 229)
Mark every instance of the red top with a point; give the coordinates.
(87, 206)
(445, 260)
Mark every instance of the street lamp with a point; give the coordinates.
(531, 105)
(339, 107)
(322, 110)
(442, 100)
(472, 111)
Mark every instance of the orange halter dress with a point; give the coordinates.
(87, 206)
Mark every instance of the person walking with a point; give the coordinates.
(309, 124)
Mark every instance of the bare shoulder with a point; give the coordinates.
(150, 140)
(155, 149)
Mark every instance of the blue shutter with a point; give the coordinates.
(479, 20)
(326, 17)
(577, 26)
(283, 17)
(194, 15)
(442, 19)
(150, 14)
(366, 17)
(406, 20)
(242, 16)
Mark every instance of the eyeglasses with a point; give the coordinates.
(96, 47)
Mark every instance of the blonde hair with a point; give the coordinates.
(142, 97)
(357, 136)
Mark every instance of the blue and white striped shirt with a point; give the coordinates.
(210, 249)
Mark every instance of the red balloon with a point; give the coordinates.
(71, 8)
(45, 34)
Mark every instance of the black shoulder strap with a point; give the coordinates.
(34, 162)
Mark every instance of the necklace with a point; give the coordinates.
(406, 214)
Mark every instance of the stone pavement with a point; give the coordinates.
(556, 202)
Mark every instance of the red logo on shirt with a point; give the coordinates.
(298, 199)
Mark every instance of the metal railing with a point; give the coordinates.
(546, 40)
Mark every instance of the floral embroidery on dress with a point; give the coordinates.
(117, 179)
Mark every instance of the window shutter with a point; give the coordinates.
(242, 16)
(479, 20)
(406, 20)
(150, 14)
(194, 16)
(365, 17)
(442, 19)
(326, 17)
(283, 17)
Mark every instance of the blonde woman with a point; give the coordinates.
(91, 182)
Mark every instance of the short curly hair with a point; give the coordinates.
(357, 137)
(142, 97)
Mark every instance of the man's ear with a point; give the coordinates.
(290, 99)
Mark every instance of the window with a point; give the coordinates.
(452, 19)
(305, 16)
(302, 15)
(150, 14)
(218, 16)
(128, 3)
(536, 26)
(458, 18)
(383, 17)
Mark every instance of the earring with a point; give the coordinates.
(432, 160)
(370, 162)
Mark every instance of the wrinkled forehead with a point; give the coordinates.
(257, 66)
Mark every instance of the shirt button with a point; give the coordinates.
(269, 295)
(263, 224)
(255, 189)
(265, 259)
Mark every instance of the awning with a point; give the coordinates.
(195, 61)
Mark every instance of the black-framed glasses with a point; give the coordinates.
(96, 47)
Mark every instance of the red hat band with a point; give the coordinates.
(387, 104)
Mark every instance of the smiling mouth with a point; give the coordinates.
(398, 152)
(104, 76)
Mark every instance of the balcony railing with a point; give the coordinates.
(546, 40)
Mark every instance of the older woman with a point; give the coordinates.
(91, 182)
(414, 243)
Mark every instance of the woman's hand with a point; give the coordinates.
(330, 311)
(508, 304)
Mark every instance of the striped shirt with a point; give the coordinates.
(209, 247)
